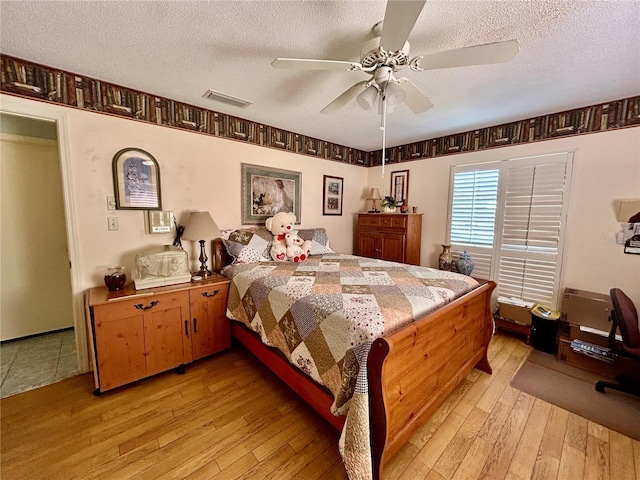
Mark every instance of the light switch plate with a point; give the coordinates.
(112, 224)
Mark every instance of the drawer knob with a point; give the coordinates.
(212, 294)
(139, 306)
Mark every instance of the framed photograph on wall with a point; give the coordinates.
(267, 191)
(136, 180)
(332, 195)
(400, 186)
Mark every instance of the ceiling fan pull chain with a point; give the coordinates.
(384, 117)
(384, 124)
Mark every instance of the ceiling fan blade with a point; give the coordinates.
(498, 52)
(310, 64)
(345, 98)
(414, 98)
(399, 19)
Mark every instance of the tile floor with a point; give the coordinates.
(37, 361)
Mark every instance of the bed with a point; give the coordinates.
(409, 341)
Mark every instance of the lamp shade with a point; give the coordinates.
(394, 94)
(200, 227)
(374, 194)
(367, 98)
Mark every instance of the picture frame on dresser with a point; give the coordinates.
(136, 180)
(267, 191)
(332, 193)
(400, 186)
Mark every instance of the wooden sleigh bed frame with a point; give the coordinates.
(410, 372)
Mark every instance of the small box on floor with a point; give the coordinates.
(515, 313)
(571, 357)
(585, 308)
(575, 333)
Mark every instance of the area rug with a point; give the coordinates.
(573, 389)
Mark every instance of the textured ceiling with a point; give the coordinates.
(573, 53)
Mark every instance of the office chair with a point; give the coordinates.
(625, 317)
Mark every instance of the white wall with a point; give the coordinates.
(198, 172)
(606, 168)
(36, 284)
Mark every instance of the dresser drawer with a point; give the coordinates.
(369, 220)
(383, 221)
(393, 221)
(141, 304)
(210, 291)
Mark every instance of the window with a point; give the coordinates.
(510, 216)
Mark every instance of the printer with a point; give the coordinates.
(161, 266)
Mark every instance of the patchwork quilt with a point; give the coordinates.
(324, 315)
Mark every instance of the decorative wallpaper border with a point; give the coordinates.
(39, 82)
(596, 118)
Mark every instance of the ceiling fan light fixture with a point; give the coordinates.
(367, 98)
(394, 95)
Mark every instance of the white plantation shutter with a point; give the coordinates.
(510, 216)
(532, 233)
(474, 200)
(473, 211)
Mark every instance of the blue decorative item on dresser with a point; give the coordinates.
(465, 264)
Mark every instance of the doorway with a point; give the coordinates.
(36, 293)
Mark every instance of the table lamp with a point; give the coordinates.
(374, 195)
(201, 227)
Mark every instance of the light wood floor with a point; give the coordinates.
(228, 417)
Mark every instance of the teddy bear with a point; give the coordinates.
(279, 225)
(297, 249)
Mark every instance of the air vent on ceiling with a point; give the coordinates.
(224, 98)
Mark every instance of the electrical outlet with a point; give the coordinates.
(111, 203)
(112, 223)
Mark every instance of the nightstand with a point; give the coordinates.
(138, 333)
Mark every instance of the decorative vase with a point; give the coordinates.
(404, 208)
(465, 264)
(115, 278)
(445, 259)
(388, 209)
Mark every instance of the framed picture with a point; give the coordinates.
(400, 186)
(332, 195)
(136, 180)
(267, 191)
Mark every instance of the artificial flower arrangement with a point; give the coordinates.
(388, 204)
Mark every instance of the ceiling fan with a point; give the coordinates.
(388, 53)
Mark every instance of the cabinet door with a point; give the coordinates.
(368, 244)
(392, 247)
(166, 332)
(119, 342)
(211, 329)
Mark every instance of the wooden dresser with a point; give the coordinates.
(390, 236)
(137, 333)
